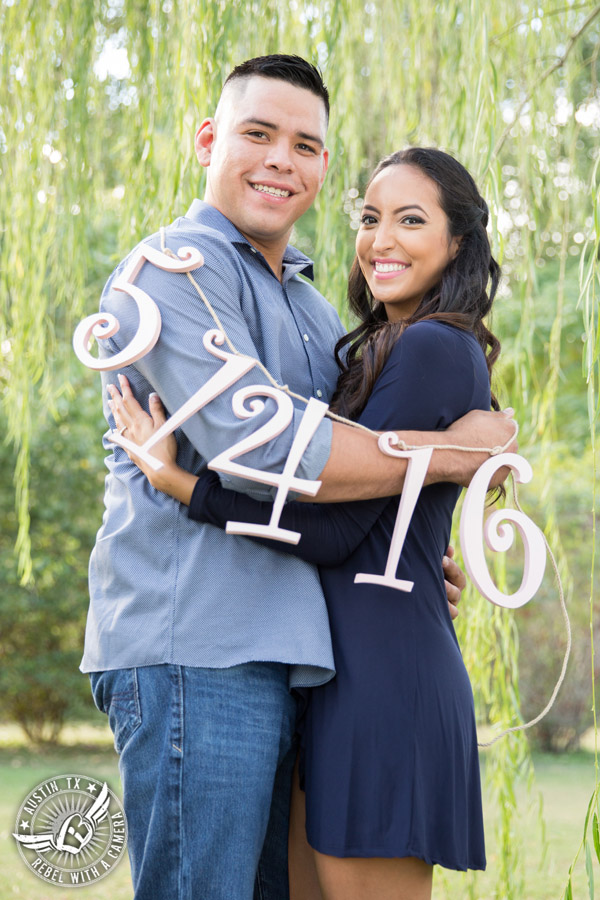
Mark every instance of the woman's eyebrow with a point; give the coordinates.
(396, 211)
(410, 206)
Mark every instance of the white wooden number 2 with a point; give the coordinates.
(499, 537)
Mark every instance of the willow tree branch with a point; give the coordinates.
(573, 38)
(547, 13)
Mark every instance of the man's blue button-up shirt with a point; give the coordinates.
(164, 589)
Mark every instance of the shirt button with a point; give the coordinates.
(319, 393)
(305, 336)
(253, 249)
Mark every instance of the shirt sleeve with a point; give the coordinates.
(179, 365)
(427, 382)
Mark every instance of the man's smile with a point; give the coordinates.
(271, 190)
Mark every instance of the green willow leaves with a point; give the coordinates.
(99, 102)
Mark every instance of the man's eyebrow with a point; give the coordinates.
(272, 127)
(399, 210)
(259, 122)
(310, 137)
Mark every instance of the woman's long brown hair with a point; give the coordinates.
(461, 297)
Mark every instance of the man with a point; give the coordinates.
(194, 637)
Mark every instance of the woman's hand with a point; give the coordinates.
(138, 426)
(131, 420)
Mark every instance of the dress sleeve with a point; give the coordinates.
(433, 376)
(427, 382)
(330, 531)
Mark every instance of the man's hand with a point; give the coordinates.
(480, 429)
(455, 581)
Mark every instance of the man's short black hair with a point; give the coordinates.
(292, 69)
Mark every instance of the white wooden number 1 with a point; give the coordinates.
(418, 462)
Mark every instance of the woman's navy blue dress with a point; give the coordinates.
(389, 745)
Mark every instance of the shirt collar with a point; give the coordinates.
(204, 214)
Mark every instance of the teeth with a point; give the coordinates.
(389, 267)
(276, 192)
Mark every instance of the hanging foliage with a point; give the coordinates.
(99, 104)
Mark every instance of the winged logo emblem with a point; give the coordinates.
(71, 832)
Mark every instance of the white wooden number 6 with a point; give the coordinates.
(500, 537)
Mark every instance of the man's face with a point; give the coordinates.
(266, 157)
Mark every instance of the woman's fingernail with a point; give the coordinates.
(153, 396)
(445, 561)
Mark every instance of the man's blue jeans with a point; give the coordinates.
(206, 757)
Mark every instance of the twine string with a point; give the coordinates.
(565, 614)
(492, 451)
(401, 445)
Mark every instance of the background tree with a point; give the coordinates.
(42, 622)
(98, 109)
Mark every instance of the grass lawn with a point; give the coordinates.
(89, 752)
(565, 782)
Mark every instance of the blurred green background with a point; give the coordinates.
(99, 102)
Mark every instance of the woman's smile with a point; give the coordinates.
(384, 269)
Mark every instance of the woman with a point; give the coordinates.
(389, 747)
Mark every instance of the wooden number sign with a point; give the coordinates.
(246, 403)
(500, 537)
(286, 481)
(418, 462)
(104, 325)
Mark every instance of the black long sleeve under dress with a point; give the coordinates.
(389, 745)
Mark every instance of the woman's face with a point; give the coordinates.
(403, 244)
